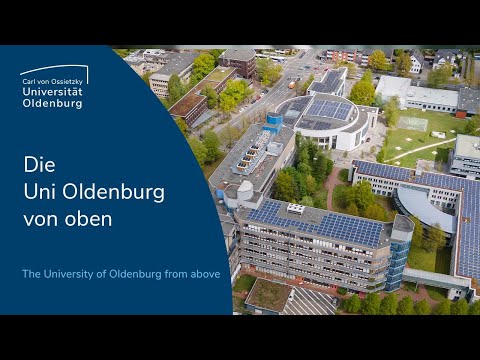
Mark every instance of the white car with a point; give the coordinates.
(242, 109)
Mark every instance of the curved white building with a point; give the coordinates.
(330, 120)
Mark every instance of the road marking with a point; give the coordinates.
(304, 294)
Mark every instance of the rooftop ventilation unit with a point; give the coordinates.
(295, 209)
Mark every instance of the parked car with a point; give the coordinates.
(242, 109)
(307, 66)
(368, 140)
(335, 301)
(253, 101)
(326, 69)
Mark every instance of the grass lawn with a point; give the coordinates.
(239, 305)
(436, 293)
(269, 295)
(409, 286)
(386, 203)
(320, 198)
(343, 175)
(210, 168)
(437, 121)
(442, 155)
(244, 283)
(438, 261)
(339, 198)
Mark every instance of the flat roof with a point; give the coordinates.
(469, 99)
(320, 223)
(417, 203)
(238, 54)
(227, 222)
(440, 278)
(268, 295)
(191, 99)
(391, 85)
(330, 83)
(468, 261)
(177, 63)
(362, 117)
(434, 96)
(258, 176)
(403, 223)
(468, 146)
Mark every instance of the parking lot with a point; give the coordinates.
(309, 302)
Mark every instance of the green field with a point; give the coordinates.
(244, 283)
(437, 121)
(239, 305)
(343, 175)
(411, 159)
(438, 261)
(436, 293)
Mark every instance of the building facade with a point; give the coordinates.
(465, 157)
(336, 55)
(417, 62)
(468, 103)
(241, 59)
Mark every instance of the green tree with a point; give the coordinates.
(378, 102)
(360, 194)
(367, 76)
(405, 306)
(226, 103)
(404, 64)
(372, 150)
(391, 109)
(202, 66)
(474, 308)
(268, 71)
(345, 154)
(216, 53)
(375, 212)
(459, 307)
(417, 237)
(319, 170)
(381, 156)
(353, 304)
(146, 78)
(199, 150)
(182, 125)
(436, 238)
(329, 167)
(342, 291)
(307, 201)
(212, 96)
(389, 305)
(284, 188)
(212, 143)
(443, 308)
(306, 84)
(371, 304)
(439, 77)
(229, 135)
(422, 308)
(352, 209)
(311, 184)
(363, 93)
(377, 60)
(175, 88)
(472, 126)
(351, 67)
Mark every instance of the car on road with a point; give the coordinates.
(265, 91)
(326, 69)
(262, 94)
(335, 301)
(302, 55)
(253, 101)
(368, 140)
(242, 109)
(307, 66)
(301, 68)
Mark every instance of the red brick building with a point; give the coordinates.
(241, 59)
(335, 55)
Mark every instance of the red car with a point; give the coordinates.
(326, 69)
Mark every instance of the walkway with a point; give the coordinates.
(420, 149)
(330, 184)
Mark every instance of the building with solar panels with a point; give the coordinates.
(329, 120)
(424, 194)
(465, 157)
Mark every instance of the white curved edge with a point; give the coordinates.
(55, 66)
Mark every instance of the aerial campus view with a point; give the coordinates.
(346, 180)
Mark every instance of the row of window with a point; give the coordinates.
(432, 107)
(466, 171)
(468, 160)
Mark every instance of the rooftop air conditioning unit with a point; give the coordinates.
(295, 209)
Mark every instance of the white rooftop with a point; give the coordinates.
(391, 85)
(468, 146)
(435, 96)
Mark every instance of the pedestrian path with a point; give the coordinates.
(420, 149)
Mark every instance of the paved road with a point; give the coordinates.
(280, 91)
(309, 302)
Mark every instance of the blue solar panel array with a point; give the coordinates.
(336, 226)
(327, 108)
(320, 125)
(468, 263)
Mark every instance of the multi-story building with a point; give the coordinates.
(180, 64)
(468, 103)
(445, 57)
(417, 61)
(465, 157)
(156, 58)
(336, 55)
(364, 59)
(435, 199)
(193, 104)
(333, 82)
(241, 59)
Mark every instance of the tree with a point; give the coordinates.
(199, 150)
(391, 109)
(404, 64)
(363, 93)
(417, 236)
(405, 306)
(283, 188)
(372, 150)
(353, 304)
(212, 143)
(226, 103)
(212, 96)
(352, 209)
(216, 53)
(146, 78)
(389, 305)
(472, 126)
(202, 66)
(175, 88)
(182, 125)
(268, 72)
(474, 308)
(345, 154)
(381, 156)
(377, 60)
(320, 169)
(307, 201)
(351, 67)
(459, 307)
(360, 194)
(422, 308)
(378, 102)
(438, 77)
(371, 304)
(329, 167)
(436, 238)
(311, 184)
(367, 76)
(306, 84)
(375, 212)
(443, 308)
(229, 135)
